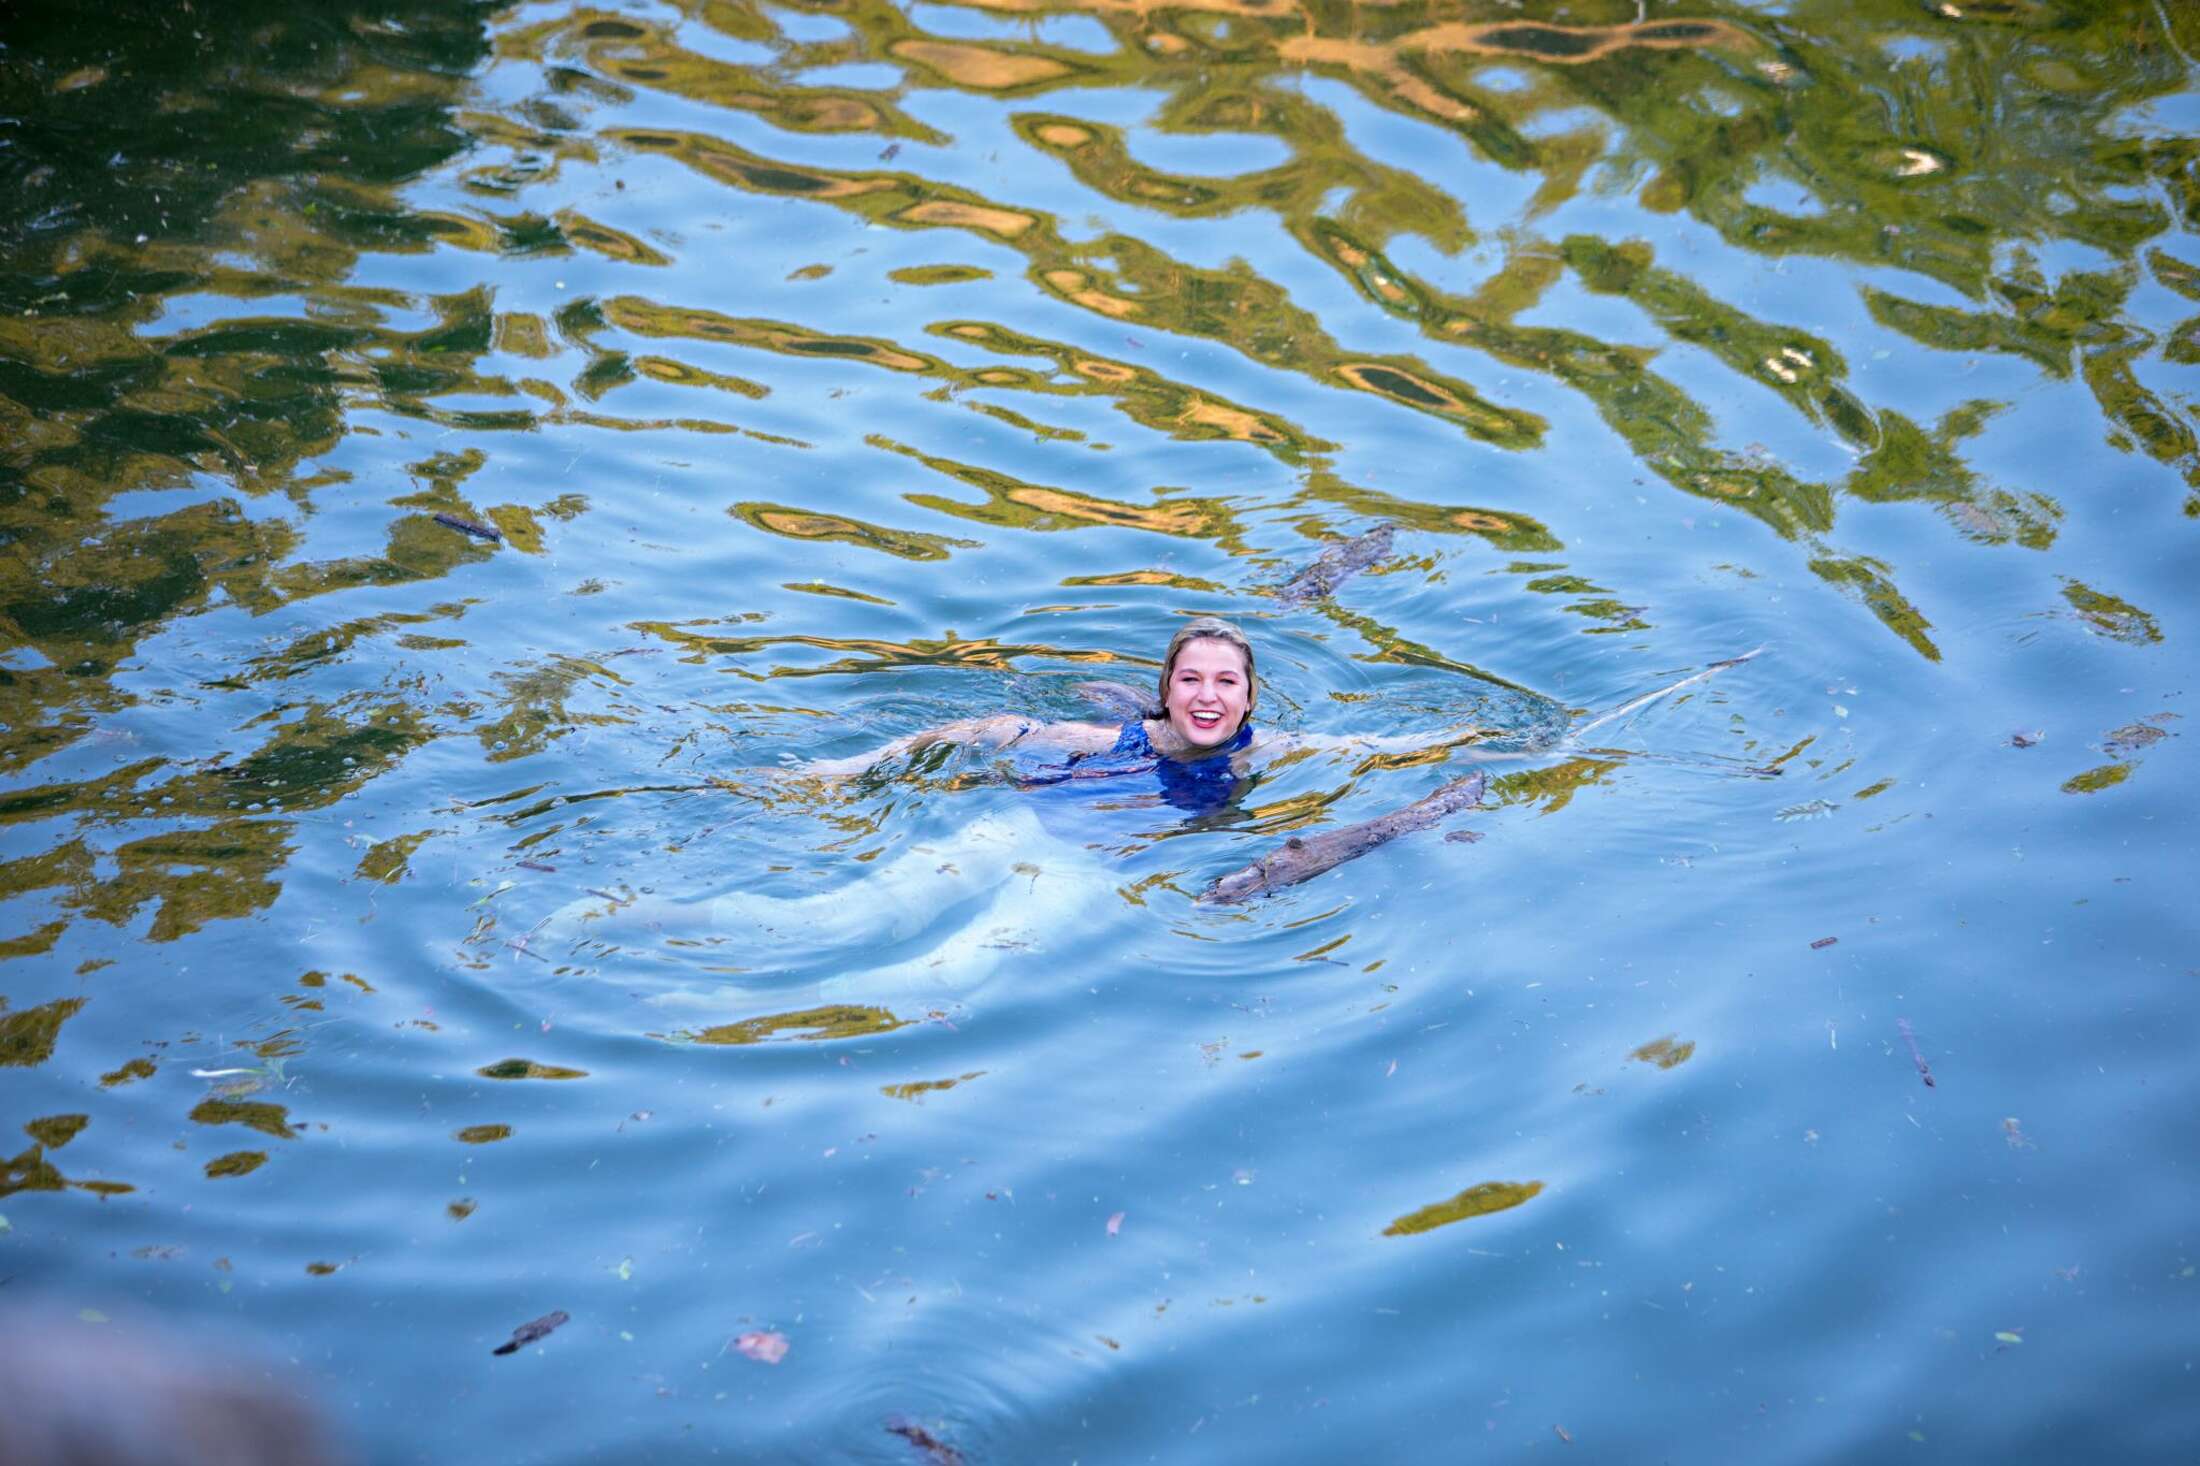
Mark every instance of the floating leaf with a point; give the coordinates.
(2009, 1336)
(1475, 1201)
(1115, 1224)
(762, 1345)
(483, 1134)
(528, 1333)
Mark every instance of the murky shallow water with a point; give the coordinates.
(831, 370)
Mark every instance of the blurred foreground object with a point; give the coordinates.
(74, 1393)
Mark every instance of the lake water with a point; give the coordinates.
(410, 933)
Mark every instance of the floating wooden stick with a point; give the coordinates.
(1303, 858)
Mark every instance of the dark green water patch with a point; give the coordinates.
(55, 1131)
(236, 1163)
(260, 1115)
(27, 1037)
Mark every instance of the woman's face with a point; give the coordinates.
(1209, 693)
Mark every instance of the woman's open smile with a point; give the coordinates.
(1209, 693)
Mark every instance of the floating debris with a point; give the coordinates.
(940, 1451)
(1115, 1224)
(528, 1333)
(1815, 809)
(2013, 1132)
(2032, 739)
(1301, 858)
(762, 1345)
(468, 526)
(2131, 738)
(1822, 943)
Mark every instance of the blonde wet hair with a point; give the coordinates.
(1210, 628)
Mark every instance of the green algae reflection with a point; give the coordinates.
(1475, 1201)
(838, 1020)
(27, 1038)
(1665, 1052)
(528, 1069)
(236, 1163)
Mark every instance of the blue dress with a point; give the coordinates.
(1200, 785)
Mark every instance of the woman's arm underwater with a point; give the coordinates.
(1464, 736)
(1277, 742)
(1000, 730)
(1301, 858)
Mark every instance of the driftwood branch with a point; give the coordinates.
(1303, 858)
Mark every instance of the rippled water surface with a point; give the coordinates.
(456, 461)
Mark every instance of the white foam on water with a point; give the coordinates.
(938, 919)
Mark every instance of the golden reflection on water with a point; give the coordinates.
(1665, 1052)
(916, 1090)
(833, 1021)
(1475, 1201)
(528, 1069)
